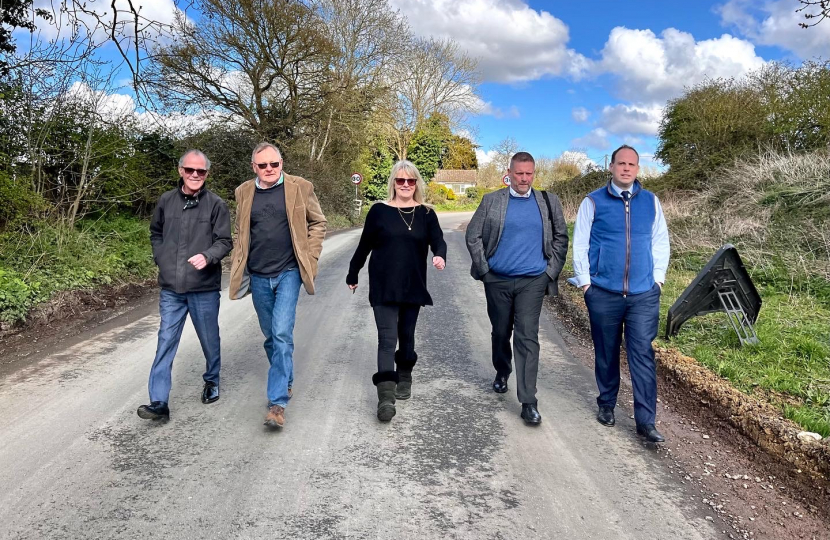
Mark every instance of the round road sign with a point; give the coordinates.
(505, 180)
(357, 178)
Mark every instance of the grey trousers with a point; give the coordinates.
(514, 306)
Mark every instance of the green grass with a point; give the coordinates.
(460, 205)
(45, 259)
(791, 365)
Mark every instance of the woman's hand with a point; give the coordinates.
(438, 262)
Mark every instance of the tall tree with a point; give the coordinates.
(263, 62)
(435, 77)
(461, 154)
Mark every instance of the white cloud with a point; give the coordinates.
(513, 42)
(653, 69)
(596, 138)
(121, 108)
(624, 119)
(485, 157)
(487, 108)
(580, 159)
(580, 114)
(776, 23)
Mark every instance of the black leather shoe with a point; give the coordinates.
(650, 433)
(210, 393)
(605, 416)
(500, 384)
(157, 410)
(530, 414)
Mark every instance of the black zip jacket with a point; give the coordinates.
(180, 230)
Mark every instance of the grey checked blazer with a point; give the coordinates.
(485, 228)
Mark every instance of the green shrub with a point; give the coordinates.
(472, 193)
(16, 297)
(437, 194)
(100, 250)
(19, 202)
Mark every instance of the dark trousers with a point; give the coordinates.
(514, 306)
(396, 327)
(611, 313)
(203, 308)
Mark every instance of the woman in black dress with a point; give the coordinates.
(398, 232)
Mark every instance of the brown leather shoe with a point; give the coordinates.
(275, 417)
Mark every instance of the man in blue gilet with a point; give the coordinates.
(621, 253)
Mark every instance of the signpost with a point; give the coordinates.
(357, 178)
(506, 180)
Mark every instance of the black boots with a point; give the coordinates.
(386, 382)
(404, 388)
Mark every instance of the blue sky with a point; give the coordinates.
(591, 75)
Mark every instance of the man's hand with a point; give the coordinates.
(660, 285)
(198, 261)
(353, 288)
(438, 262)
(585, 288)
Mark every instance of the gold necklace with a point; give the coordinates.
(401, 213)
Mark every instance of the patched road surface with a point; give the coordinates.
(456, 462)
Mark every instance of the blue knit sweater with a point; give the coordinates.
(520, 252)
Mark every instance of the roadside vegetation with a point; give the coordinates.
(750, 165)
(83, 159)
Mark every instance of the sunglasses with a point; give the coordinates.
(263, 166)
(408, 181)
(190, 170)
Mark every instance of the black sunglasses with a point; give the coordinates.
(273, 164)
(190, 170)
(402, 181)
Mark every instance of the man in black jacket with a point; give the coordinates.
(191, 234)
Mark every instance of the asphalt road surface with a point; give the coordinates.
(456, 462)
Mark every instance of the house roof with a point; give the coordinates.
(456, 176)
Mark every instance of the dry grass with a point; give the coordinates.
(775, 209)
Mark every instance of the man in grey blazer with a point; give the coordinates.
(518, 240)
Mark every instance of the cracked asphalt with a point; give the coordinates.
(456, 461)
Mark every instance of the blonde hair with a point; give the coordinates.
(410, 168)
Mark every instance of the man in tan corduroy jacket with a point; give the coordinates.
(279, 236)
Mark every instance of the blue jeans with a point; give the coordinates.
(203, 308)
(638, 314)
(275, 302)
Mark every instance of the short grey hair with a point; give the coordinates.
(262, 146)
(197, 153)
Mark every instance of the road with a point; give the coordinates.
(456, 461)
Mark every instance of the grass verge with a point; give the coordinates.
(45, 259)
(790, 369)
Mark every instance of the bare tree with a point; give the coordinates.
(434, 78)
(370, 38)
(264, 63)
(818, 11)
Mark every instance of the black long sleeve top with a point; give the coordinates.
(398, 266)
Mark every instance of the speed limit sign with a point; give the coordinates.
(357, 178)
(506, 180)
